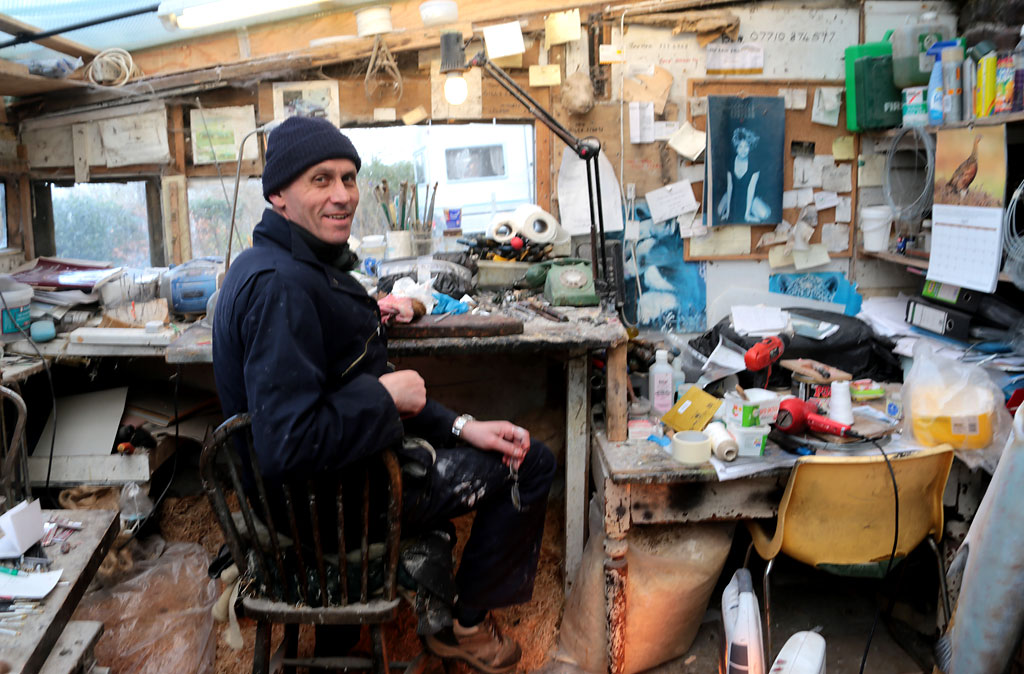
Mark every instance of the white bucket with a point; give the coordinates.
(15, 306)
(875, 226)
(373, 21)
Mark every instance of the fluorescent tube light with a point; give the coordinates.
(189, 15)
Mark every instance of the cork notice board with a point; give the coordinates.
(799, 128)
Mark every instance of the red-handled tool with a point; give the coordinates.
(763, 354)
(795, 415)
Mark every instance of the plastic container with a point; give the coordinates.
(373, 246)
(1004, 83)
(911, 64)
(985, 88)
(935, 89)
(439, 12)
(659, 382)
(1018, 74)
(851, 55)
(876, 226)
(966, 421)
(915, 106)
(15, 306)
(760, 408)
(750, 440)
(952, 84)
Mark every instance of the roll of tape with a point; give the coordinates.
(723, 445)
(536, 224)
(503, 227)
(691, 447)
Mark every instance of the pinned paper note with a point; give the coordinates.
(560, 27)
(837, 178)
(870, 170)
(806, 173)
(698, 106)
(504, 39)
(506, 62)
(691, 224)
(844, 209)
(415, 116)
(735, 58)
(815, 256)
(778, 256)
(835, 236)
(804, 196)
(610, 53)
(546, 76)
(795, 99)
(827, 101)
(692, 172)
(842, 148)
(663, 129)
(384, 114)
(789, 199)
(671, 200)
(641, 122)
(22, 526)
(688, 142)
(722, 241)
(653, 86)
(823, 200)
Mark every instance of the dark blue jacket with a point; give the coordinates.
(298, 344)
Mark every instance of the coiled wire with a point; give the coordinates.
(1013, 240)
(117, 60)
(916, 208)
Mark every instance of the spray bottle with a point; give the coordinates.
(935, 89)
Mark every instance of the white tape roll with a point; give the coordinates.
(723, 445)
(536, 224)
(691, 447)
(503, 227)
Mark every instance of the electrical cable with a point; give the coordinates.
(915, 209)
(49, 379)
(895, 544)
(216, 164)
(116, 61)
(1013, 240)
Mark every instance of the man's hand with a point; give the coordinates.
(401, 309)
(499, 436)
(407, 389)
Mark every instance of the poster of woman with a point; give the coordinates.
(746, 143)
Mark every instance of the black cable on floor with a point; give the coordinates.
(892, 554)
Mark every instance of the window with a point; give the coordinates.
(467, 163)
(102, 221)
(484, 169)
(209, 214)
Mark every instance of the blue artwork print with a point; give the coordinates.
(826, 286)
(663, 291)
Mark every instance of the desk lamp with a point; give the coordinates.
(453, 63)
(265, 129)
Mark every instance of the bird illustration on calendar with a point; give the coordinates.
(970, 167)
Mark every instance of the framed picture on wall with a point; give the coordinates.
(318, 98)
(745, 150)
(216, 133)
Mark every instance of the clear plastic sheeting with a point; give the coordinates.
(158, 619)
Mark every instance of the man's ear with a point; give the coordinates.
(276, 200)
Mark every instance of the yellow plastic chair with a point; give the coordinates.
(837, 514)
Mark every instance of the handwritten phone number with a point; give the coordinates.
(824, 36)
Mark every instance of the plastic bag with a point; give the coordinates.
(947, 401)
(157, 620)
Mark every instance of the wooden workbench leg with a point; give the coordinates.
(616, 396)
(577, 444)
(616, 572)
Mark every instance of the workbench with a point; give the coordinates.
(28, 651)
(639, 483)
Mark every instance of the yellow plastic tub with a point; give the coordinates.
(963, 419)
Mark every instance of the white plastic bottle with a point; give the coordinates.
(679, 385)
(659, 381)
(935, 93)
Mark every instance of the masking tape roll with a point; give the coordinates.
(723, 444)
(503, 227)
(691, 447)
(536, 224)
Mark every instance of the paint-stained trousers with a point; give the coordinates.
(499, 562)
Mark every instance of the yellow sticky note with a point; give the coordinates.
(842, 148)
(562, 27)
(545, 76)
(692, 411)
(778, 257)
(506, 62)
(722, 241)
(415, 116)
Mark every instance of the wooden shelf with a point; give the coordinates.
(994, 120)
(906, 260)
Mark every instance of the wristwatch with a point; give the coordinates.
(460, 423)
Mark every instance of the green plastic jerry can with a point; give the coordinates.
(850, 56)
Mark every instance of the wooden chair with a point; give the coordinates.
(837, 514)
(14, 480)
(291, 579)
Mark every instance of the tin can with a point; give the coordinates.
(805, 389)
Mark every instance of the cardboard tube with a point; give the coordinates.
(536, 224)
(691, 447)
(723, 445)
(503, 227)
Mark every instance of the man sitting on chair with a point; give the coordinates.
(299, 345)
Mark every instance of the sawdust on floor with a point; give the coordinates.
(534, 625)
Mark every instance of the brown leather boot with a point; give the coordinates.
(483, 646)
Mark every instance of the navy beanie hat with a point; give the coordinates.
(301, 142)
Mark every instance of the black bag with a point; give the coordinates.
(854, 348)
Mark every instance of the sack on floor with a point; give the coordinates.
(672, 572)
(159, 619)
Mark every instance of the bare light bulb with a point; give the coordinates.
(455, 89)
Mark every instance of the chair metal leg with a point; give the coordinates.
(380, 650)
(261, 649)
(947, 613)
(768, 612)
(291, 644)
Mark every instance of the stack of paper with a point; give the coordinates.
(759, 320)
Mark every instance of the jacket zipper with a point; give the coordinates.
(366, 348)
